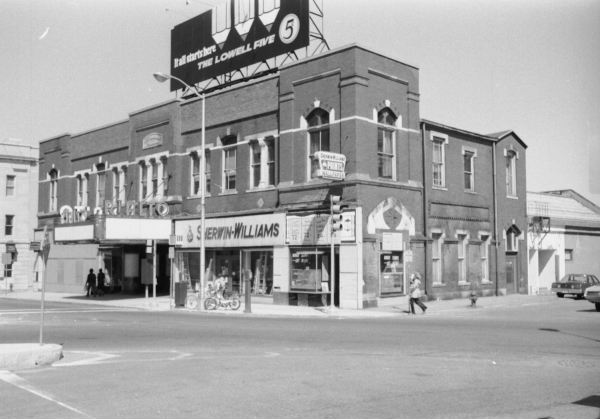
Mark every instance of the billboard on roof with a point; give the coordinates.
(237, 34)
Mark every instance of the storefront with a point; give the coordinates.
(118, 246)
(233, 246)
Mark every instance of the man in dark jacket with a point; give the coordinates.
(91, 283)
(101, 277)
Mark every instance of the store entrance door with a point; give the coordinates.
(228, 264)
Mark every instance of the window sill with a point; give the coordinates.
(439, 188)
(230, 192)
(512, 197)
(470, 192)
(486, 282)
(268, 188)
(438, 285)
(463, 283)
(198, 196)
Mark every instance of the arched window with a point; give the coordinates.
(511, 173)
(386, 144)
(318, 135)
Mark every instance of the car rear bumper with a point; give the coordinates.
(566, 291)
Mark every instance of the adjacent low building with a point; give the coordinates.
(563, 237)
(419, 195)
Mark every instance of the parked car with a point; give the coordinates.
(592, 294)
(574, 284)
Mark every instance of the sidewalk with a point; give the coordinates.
(162, 303)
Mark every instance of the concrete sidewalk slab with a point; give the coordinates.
(163, 303)
(20, 356)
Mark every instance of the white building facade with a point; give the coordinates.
(18, 214)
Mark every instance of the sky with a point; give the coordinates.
(530, 66)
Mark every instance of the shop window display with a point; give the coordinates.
(310, 271)
(392, 273)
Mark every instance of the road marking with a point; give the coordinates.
(21, 383)
(61, 311)
(100, 357)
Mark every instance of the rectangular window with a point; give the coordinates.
(154, 168)
(116, 186)
(462, 258)
(468, 171)
(485, 266)
(229, 169)
(10, 185)
(80, 190)
(568, 255)
(436, 256)
(310, 271)
(511, 185)
(512, 241)
(195, 174)
(255, 164)
(319, 141)
(270, 161)
(8, 225)
(385, 153)
(8, 270)
(207, 171)
(391, 266)
(100, 187)
(165, 178)
(86, 192)
(53, 190)
(143, 181)
(438, 162)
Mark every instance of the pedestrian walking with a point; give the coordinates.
(101, 277)
(91, 283)
(415, 293)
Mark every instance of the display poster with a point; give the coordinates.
(392, 241)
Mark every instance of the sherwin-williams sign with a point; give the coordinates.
(237, 34)
(259, 230)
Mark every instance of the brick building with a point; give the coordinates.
(112, 189)
(18, 203)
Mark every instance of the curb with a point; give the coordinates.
(21, 356)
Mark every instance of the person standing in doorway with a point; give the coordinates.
(91, 283)
(415, 293)
(101, 277)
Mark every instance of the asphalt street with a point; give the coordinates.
(532, 361)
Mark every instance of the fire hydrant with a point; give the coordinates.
(473, 298)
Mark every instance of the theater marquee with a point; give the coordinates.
(237, 34)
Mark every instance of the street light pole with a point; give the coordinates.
(162, 78)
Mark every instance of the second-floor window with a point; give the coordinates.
(10, 185)
(439, 173)
(485, 266)
(165, 177)
(207, 171)
(116, 186)
(512, 240)
(8, 225)
(386, 145)
(262, 171)
(469, 172)
(196, 172)
(462, 258)
(511, 173)
(143, 181)
(229, 164)
(101, 185)
(154, 168)
(53, 190)
(318, 134)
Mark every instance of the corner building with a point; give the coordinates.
(267, 212)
